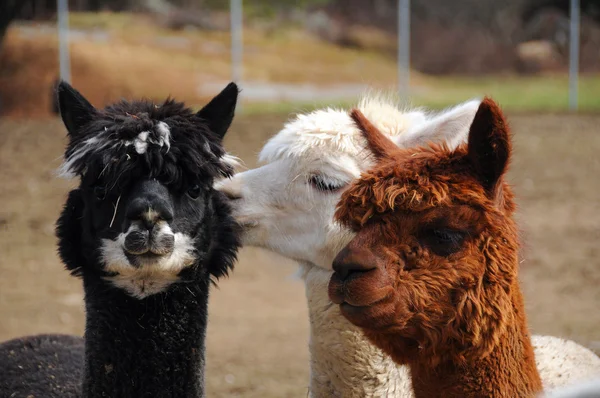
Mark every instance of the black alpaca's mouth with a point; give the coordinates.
(147, 258)
(143, 242)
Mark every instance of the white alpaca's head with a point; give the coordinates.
(287, 205)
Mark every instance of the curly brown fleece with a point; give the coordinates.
(437, 250)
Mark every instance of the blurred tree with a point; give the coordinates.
(590, 8)
(466, 36)
(9, 9)
(265, 8)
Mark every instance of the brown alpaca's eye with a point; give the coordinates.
(444, 241)
(325, 184)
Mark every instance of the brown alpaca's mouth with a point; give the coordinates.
(353, 309)
(373, 316)
(354, 313)
(380, 315)
(336, 289)
(359, 289)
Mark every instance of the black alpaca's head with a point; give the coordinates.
(145, 215)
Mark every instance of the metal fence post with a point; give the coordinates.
(404, 47)
(574, 55)
(63, 40)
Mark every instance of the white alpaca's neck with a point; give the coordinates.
(342, 362)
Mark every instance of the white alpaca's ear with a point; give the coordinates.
(450, 126)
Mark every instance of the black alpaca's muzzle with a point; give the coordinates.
(159, 240)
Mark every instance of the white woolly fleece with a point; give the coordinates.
(283, 211)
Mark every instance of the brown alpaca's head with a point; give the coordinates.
(433, 268)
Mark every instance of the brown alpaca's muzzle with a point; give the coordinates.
(362, 286)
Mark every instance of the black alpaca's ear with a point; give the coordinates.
(218, 113)
(74, 109)
(489, 145)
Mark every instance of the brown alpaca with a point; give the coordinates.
(432, 274)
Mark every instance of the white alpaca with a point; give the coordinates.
(586, 389)
(287, 206)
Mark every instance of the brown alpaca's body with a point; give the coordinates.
(432, 274)
(508, 371)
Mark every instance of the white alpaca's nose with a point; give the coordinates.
(231, 187)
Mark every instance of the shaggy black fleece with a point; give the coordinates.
(134, 347)
(46, 365)
(152, 347)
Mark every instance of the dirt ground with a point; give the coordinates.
(258, 327)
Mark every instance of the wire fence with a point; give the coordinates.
(403, 46)
(574, 54)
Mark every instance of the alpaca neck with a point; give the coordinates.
(342, 362)
(141, 348)
(508, 371)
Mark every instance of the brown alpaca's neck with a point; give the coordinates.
(508, 371)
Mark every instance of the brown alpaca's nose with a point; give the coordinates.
(351, 262)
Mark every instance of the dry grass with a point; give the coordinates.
(258, 322)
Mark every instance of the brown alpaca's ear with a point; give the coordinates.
(489, 146)
(379, 144)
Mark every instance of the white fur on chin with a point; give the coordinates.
(150, 277)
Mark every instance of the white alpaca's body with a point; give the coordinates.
(585, 389)
(342, 362)
(283, 210)
(563, 362)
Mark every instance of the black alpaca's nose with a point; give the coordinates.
(149, 211)
(351, 262)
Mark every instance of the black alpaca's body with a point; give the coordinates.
(147, 234)
(162, 334)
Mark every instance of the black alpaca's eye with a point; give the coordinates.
(325, 184)
(444, 241)
(194, 191)
(99, 192)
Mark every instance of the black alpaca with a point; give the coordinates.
(147, 233)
